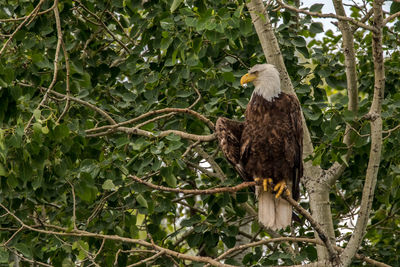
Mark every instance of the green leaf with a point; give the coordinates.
(394, 7)
(45, 130)
(168, 176)
(3, 171)
(108, 185)
(175, 5)
(3, 255)
(316, 7)
(316, 27)
(299, 41)
(36, 114)
(194, 240)
(228, 76)
(142, 201)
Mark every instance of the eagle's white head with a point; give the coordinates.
(265, 78)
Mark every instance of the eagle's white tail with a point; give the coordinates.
(273, 213)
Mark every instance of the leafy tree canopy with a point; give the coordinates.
(70, 70)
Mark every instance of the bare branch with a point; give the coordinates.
(195, 191)
(12, 237)
(155, 112)
(376, 139)
(352, 85)
(73, 204)
(152, 258)
(67, 104)
(391, 17)
(136, 131)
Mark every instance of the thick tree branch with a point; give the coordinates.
(209, 123)
(195, 191)
(136, 131)
(352, 85)
(391, 17)
(376, 139)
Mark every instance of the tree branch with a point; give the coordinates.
(195, 191)
(58, 47)
(77, 100)
(352, 85)
(209, 123)
(333, 257)
(376, 139)
(391, 17)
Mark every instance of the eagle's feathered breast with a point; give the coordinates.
(271, 140)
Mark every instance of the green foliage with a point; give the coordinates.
(56, 168)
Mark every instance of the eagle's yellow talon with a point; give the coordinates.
(280, 187)
(265, 184)
(256, 180)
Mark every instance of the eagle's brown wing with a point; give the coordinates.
(229, 133)
(296, 119)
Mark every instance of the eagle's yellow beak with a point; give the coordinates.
(247, 78)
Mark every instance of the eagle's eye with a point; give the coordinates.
(255, 72)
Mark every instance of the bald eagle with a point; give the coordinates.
(267, 145)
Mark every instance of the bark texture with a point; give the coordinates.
(376, 138)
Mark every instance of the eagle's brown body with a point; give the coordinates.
(268, 144)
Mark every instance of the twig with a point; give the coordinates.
(317, 227)
(34, 11)
(190, 148)
(78, 100)
(329, 15)
(152, 258)
(212, 162)
(98, 251)
(136, 131)
(66, 58)
(120, 25)
(80, 233)
(155, 112)
(73, 204)
(104, 26)
(388, 19)
(53, 82)
(23, 18)
(12, 237)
